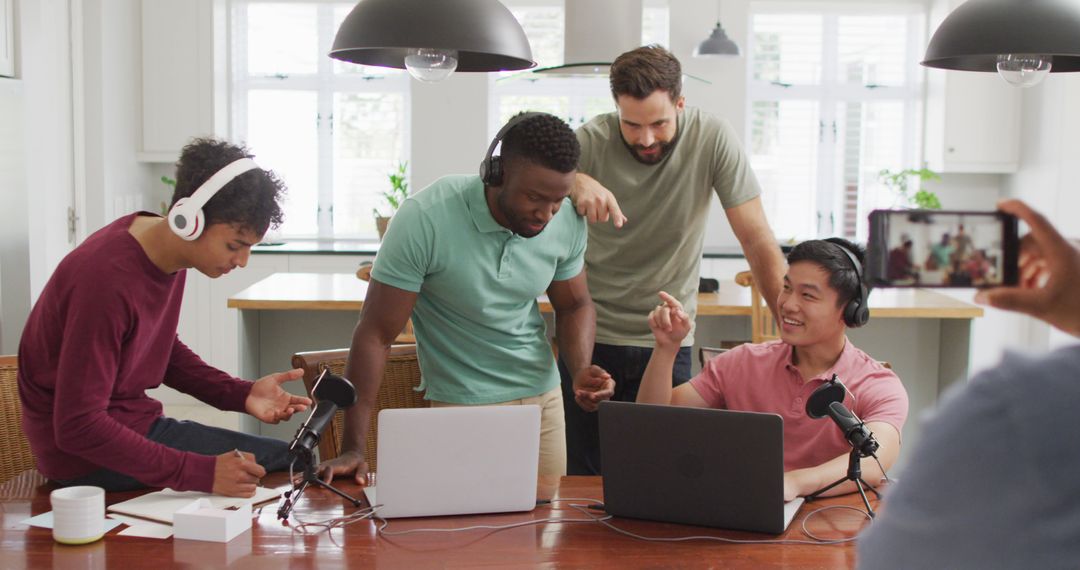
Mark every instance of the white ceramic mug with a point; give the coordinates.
(78, 514)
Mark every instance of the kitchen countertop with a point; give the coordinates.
(344, 292)
(367, 247)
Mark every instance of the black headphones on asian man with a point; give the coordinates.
(186, 217)
(856, 311)
(491, 168)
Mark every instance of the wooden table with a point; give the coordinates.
(271, 545)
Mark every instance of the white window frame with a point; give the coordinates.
(576, 89)
(325, 82)
(829, 93)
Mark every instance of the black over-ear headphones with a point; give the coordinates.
(856, 311)
(491, 169)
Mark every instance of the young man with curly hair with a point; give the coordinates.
(467, 257)
(103, 332)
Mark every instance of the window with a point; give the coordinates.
(574, 99)
(333, 131)
(834, 97)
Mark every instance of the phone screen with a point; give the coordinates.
(934, 248)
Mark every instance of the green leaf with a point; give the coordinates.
(927, 200)
(898, 183)
(399, 187)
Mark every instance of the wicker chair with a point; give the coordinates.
(400, 378)
(16, 456)
(762, 322)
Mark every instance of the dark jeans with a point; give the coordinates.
(272, 454)
(626, 364)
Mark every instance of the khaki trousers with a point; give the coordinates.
(552, 429)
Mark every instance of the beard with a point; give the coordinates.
(664, 147)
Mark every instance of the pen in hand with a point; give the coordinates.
(241, 456)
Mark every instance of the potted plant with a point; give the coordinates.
(395, 196)
(171, 185)
(898, 183)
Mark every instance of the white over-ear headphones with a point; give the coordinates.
(186, 216)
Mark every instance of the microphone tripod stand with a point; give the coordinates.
(309, 477)
(854, 473)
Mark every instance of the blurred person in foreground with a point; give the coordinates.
(993, 483)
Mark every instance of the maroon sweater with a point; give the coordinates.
(101, 334)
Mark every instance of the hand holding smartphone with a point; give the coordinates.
(1049, 272)
(939, 248)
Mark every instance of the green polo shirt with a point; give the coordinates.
(667, 207)
(479, 335)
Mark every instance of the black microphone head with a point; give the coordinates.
(855, 431)
(840, 413)
(817, 405)
(336, 389)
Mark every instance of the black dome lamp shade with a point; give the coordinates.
(483, 33)
(718, 43)
(990, 35)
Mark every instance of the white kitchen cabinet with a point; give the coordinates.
(183, 78)
(972, 118)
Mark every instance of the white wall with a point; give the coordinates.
(39, 152)
(116, 183)
(1050, 143)
(691, 21)
(14, 232)
(968, 191)
(449, 127)
(49, 165)
(36, 169)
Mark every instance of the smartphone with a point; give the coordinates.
(940, 248)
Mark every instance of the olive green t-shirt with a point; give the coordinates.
(667, 206)
(480, 338)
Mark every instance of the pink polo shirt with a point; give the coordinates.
(762, 378)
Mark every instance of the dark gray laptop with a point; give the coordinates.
(697, 466)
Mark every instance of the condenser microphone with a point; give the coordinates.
(854, 430)
(331, 393)
(828, 400)
(817, 405)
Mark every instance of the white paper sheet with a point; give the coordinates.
(45, 520)
(148, 530)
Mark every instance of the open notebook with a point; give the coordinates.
(161, 505)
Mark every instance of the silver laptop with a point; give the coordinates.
(697, 466)
(456, 461)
